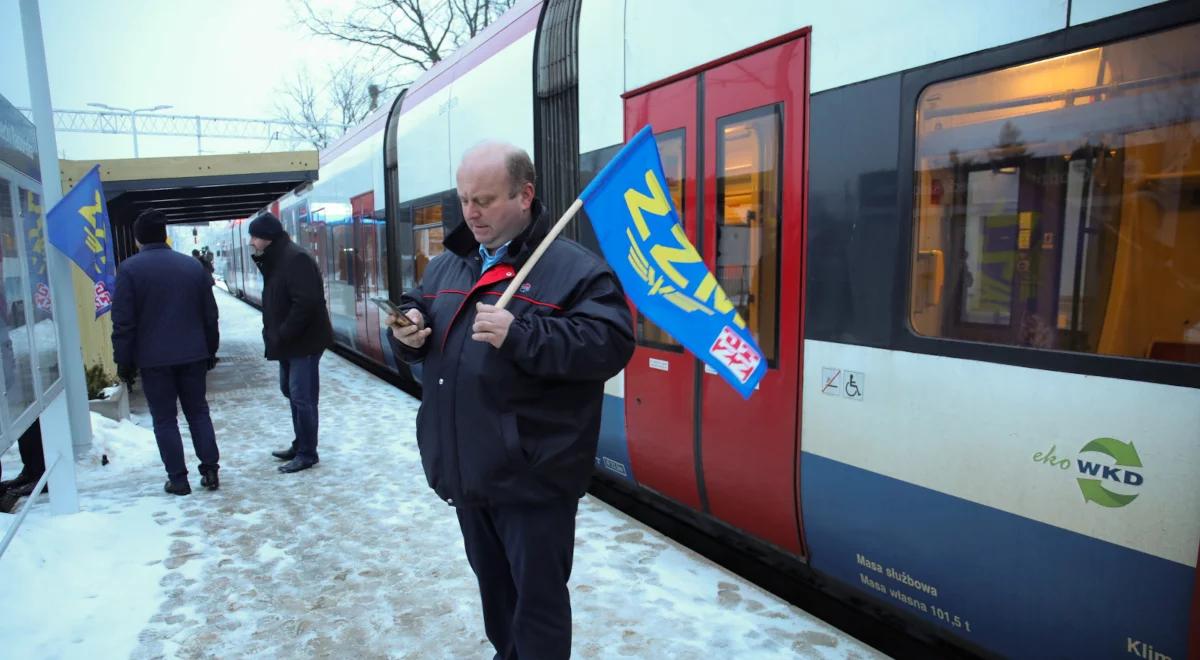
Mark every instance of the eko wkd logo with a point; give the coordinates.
(1109, 472)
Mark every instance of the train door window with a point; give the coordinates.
(672, 152)
(320, 239)
(748, 219)
(343, 250)
(381, 275)
(1058, 202)
(427, 236)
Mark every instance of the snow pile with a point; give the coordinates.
(82, 585)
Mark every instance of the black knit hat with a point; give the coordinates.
(266, 226)
(150, 227)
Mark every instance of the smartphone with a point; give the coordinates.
(389, 307)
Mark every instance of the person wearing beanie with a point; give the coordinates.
(296, 331)
(266, 226)
(165, 325)
(150, 227)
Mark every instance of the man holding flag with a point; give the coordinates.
(510, 414)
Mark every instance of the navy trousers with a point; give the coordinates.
(185, 383)
(522, 555)
(300, 382)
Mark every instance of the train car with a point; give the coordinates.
(966, 237)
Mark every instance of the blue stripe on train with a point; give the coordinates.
(612, 454)
(1003, 582)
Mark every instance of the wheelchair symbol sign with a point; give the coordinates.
(854, 386)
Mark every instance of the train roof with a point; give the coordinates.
(510, 26)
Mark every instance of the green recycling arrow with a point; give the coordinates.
(1094, 491)
(1122, 452)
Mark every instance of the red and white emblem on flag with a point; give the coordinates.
(103, 298)
(41, 297)
(736, 354)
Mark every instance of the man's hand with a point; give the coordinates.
(412, 336)
(491, 324)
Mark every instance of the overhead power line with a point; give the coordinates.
(99, 121)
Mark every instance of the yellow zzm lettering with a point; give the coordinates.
(667, 256)
(708, 289)
(656, 203)
(93, 234)
(89, 212)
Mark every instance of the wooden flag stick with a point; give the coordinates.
(537, 254)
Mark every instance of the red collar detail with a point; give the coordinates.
(497, 273)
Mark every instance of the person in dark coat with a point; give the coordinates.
(204, 263)
(165, 325)
(510, 412)
(296, 331)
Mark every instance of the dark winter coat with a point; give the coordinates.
(519, 423)
(295, 318)
(163, 311)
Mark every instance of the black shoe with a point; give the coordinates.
(8, 502)
(285, 455)
(178, 488)
(22, 479)
(209, 479)
(295, 465)
(26, 489)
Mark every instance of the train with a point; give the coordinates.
(966, 237)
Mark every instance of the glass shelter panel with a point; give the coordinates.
(14, 312)
(45, 337)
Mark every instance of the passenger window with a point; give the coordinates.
(748, 219)
(1058, 202)
(427, 236)
(672, 153)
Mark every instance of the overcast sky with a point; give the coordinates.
(204, 57)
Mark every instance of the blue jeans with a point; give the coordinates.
(300, 382)
(187, 384)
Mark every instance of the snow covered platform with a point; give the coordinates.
(354, 558)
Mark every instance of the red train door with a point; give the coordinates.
(752, 127)
(660, 380)
(367, 339)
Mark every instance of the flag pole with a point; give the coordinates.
(537, 254)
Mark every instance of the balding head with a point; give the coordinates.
(495, 188)
(492, 154)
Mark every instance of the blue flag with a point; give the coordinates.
(78, 227)
(33, 228)
(639, 231)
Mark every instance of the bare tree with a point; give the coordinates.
(412, 33)
(319, 115)
(476, 15)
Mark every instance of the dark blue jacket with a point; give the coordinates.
(163, 310)
(519, 423)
